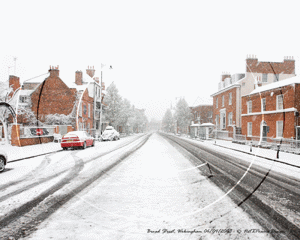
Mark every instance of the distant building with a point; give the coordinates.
(227, 101)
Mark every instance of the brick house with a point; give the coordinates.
(49, 94)
(227, 101)
(272, 111)
(202, 114)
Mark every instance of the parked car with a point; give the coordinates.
(3, 160)
(110, 134)
(77, 139)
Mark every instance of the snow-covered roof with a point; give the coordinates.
(202, 101)
(278, 84)
(195, 125)
(25, 92)
(86, 79)
(37, 79)
(207, 125)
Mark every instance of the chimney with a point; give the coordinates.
(14, 83)
(96, 79)
(90, 71)
(78, 77)
(54, 72)
(225, 75)
(251, 63)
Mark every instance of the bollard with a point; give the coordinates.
(251, 146)
(278, 149)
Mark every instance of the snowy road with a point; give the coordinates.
(155, 193)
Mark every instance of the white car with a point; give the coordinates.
(110, 134)
(3, 160)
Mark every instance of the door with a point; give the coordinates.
(264, 133)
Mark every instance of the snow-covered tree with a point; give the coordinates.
(113, 102)
(183, 115)
(59, 119)
(168, 121)
(138, 120)
(5, 90)
(125, 114)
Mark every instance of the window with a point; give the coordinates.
(279, 129)
(217, 103)
(263, 104)
(223, 100)
(249, 128)
(249, 106)
(89, 113)
(230, 118)
(209, 114)
(217, 121)
(88, 126)
(80, 110)
(265, 77)
(279, 102)
(84, 109)
(230, 98)
(276, 77)
(23, 99)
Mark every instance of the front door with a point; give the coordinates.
(264, 133)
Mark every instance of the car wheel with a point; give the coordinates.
(93, 145)
(84, 145)
(64, 148)
(2, 164)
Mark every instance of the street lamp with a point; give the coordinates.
(100, 122)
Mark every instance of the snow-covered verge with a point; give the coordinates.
(259, 156)
(154, 194)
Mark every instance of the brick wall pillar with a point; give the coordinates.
(56, 129)
(15, 135)
(69, 128)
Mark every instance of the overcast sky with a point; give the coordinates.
(159, 50)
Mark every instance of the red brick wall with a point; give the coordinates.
(14, 83)
(86, 99)
(54, 96)
(20, 142)
(204, 113)
(289, 101)
(285, 67)
(229, 108)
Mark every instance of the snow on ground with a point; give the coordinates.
(257, 156)
(154, 194)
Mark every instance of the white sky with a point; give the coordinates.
(159, 50)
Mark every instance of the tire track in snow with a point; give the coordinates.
(228, 170)
(10, 224)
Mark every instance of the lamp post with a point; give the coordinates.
(100, 122)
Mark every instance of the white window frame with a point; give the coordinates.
(217, 102)
(279, 105)
(80, 110)
(263, 105)
(218, 120)
(249, 127)
(279, 129)
(89, 109)
(223, 101)
(249, 106)
(230, 119)
(230, 99)
(264, 78)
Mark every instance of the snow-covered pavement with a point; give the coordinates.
(259, 156)
(154, 194)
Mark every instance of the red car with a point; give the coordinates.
(77, 139)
